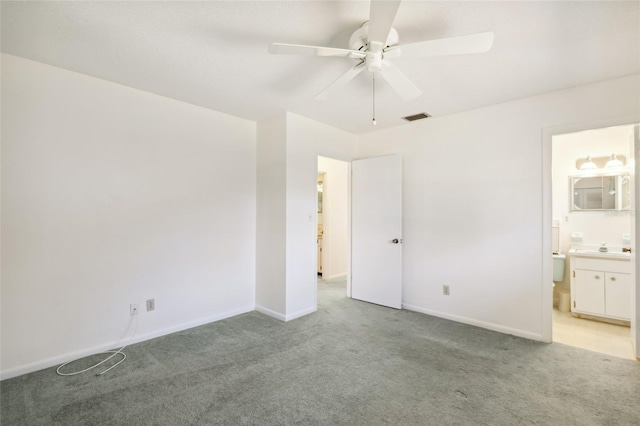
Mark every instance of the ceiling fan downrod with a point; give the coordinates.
(373, 109)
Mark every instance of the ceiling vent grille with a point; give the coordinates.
(415, 117)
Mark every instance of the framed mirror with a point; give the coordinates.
(600, 192)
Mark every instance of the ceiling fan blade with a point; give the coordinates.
(381, 16)
(473, 43)
(341, 81)
(299, 49)
(400, 82)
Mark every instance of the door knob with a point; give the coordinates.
(396, 241)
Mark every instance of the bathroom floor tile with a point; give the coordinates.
(597, 336)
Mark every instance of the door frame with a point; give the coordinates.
(547, 244)
(349, 220)
(348, 163)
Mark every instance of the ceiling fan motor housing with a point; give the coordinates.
(359, 40)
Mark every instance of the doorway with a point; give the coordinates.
(332, 226)
(592, 203)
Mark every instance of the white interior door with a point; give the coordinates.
(376, 230)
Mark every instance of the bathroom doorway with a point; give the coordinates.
(592, 203)
(319, 224)
(333, 221)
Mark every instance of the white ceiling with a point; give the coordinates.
(214, 53)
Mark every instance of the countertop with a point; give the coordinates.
(613, 253)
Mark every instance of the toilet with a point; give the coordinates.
(558, 259)
(564, 296)
(558, 268)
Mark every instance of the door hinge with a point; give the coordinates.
(574, 274)
(574, 303)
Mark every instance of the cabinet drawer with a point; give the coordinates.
(620, 266)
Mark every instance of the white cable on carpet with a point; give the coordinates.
(113, 353)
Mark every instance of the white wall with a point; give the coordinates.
(306, 140)
(473, 203)
(111, 195)
(335, 217)
(288, 150)
(271, 217)
(596, 226)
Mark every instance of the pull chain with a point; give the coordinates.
(373, 122)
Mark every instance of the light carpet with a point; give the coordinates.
(350, 363)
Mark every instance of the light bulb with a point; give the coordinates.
(589, 164)
(614, 162)
(373, 122)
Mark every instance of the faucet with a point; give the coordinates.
(603, 247)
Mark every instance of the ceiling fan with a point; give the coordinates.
(376, 41)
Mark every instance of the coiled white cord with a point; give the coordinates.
(113, 353)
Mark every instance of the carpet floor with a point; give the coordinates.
(350, 363)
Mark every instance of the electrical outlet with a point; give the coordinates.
(445, 289)
(133, 309)
(151, 304)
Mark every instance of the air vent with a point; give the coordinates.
(415, 117)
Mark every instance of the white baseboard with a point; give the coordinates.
(287, 317)
(301, 313)
(269, 312)
(482, 324)
(58, 360)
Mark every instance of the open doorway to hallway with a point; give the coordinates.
(593, 238)
(333, 220)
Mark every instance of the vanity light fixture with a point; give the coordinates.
(614, 162)
(589, 164)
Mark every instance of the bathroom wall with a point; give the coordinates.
(596, 226)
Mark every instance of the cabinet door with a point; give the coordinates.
(618, 295)
(589, 286)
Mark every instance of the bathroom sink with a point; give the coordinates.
(594, 252)
(590, 250)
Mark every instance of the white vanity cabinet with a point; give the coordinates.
(601, 287)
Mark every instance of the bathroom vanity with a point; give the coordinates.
(601, 283)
